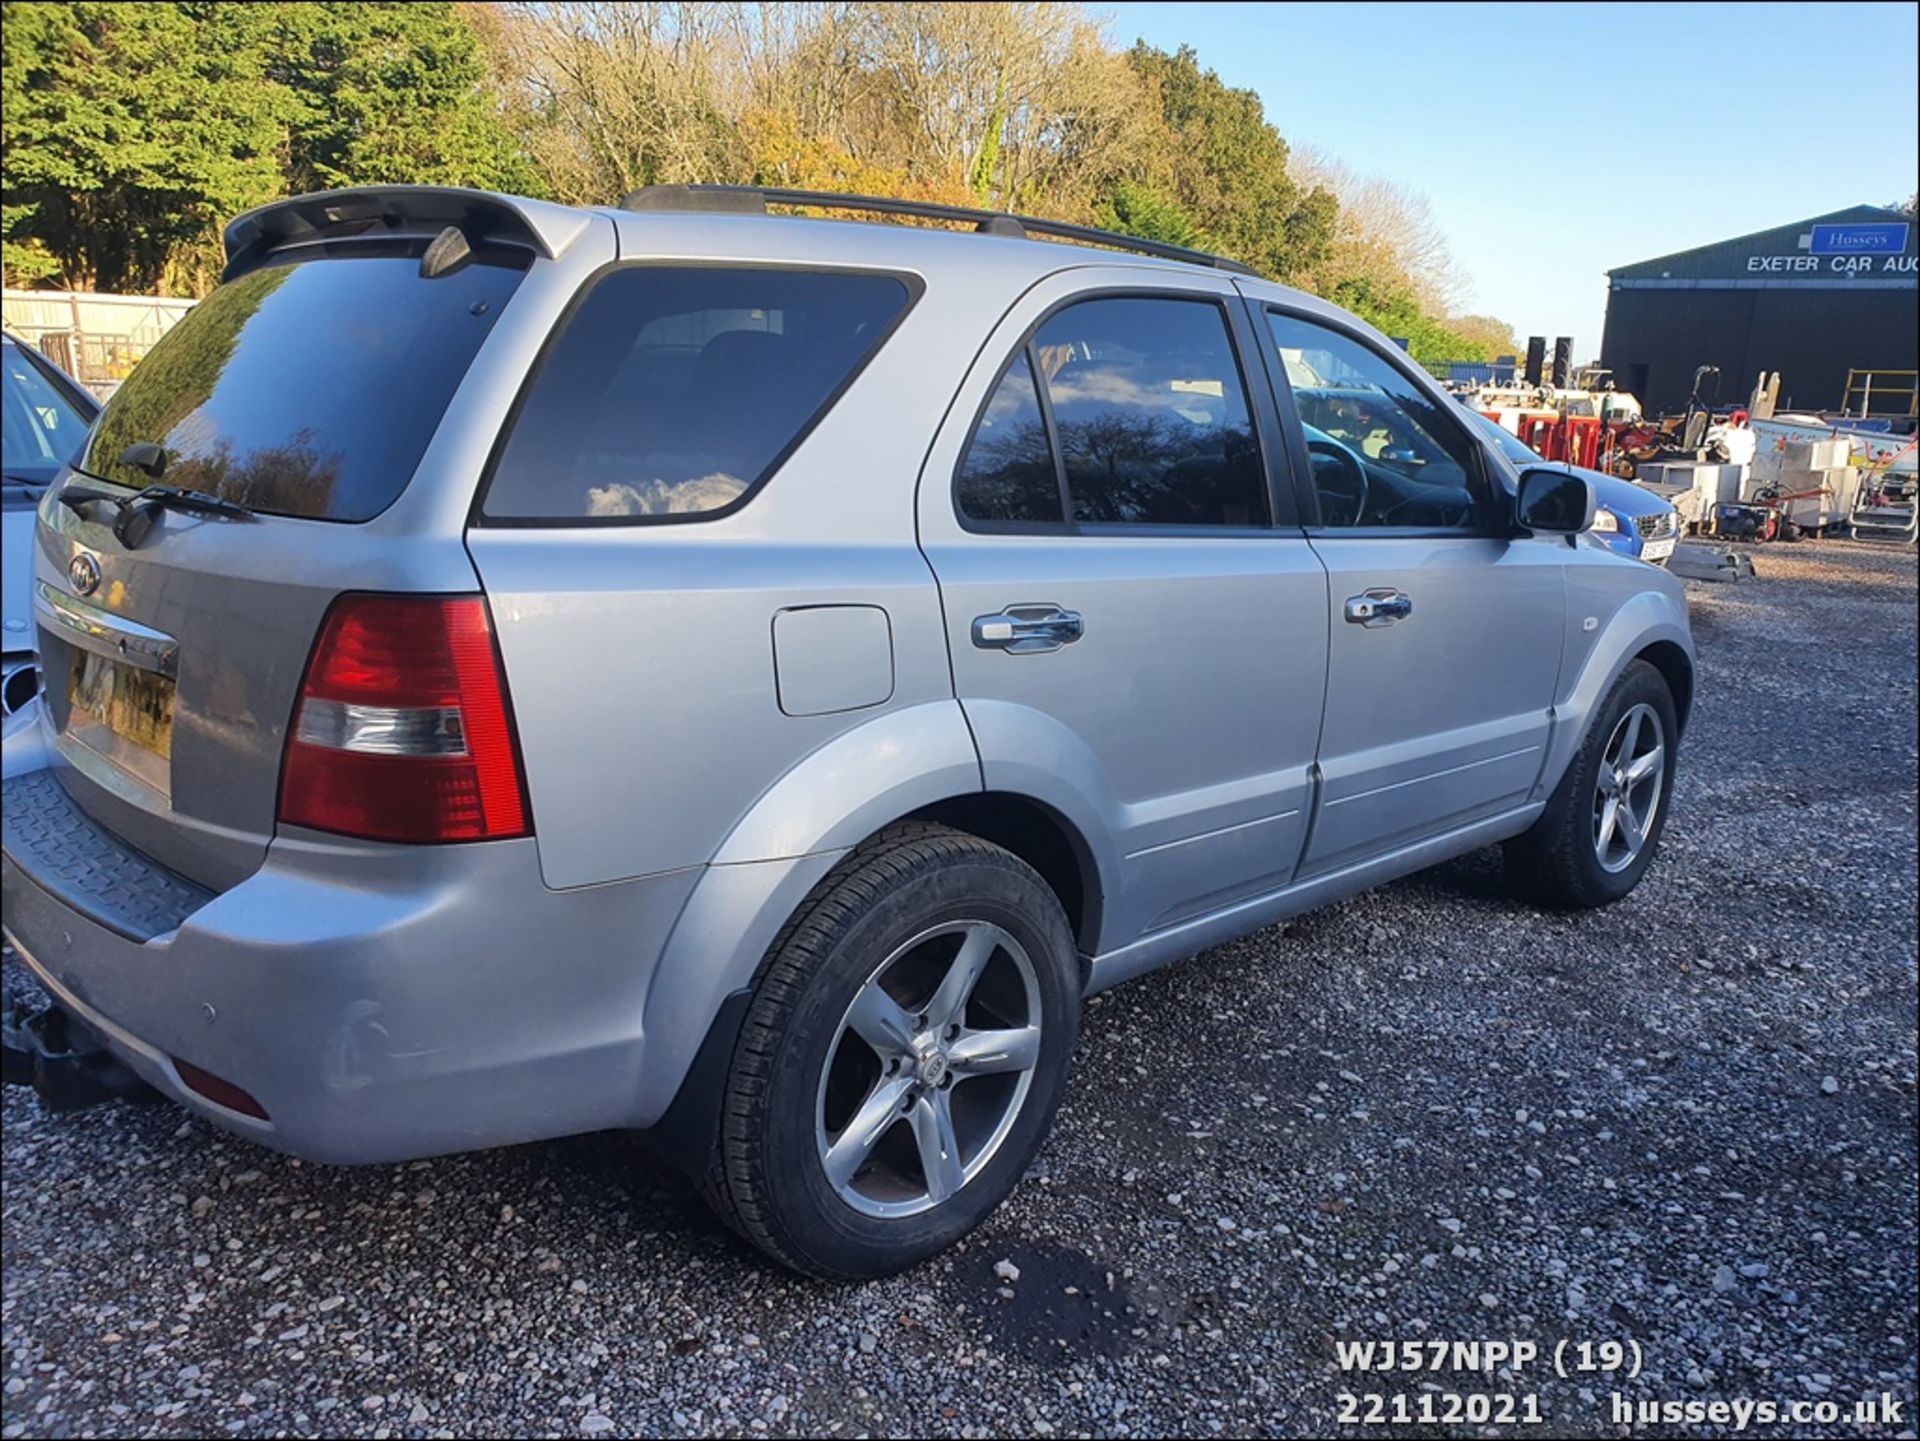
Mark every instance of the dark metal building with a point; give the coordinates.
(1814, 300)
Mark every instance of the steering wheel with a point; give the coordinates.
(1339, 480)
(1409, 512)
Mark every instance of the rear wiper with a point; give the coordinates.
(199, 502)
(76, 495)
(137, 511)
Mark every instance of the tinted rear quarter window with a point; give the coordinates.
(307, 389)
(674, 391)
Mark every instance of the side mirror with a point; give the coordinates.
(1556, 502)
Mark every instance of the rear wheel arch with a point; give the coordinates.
(1043, 838)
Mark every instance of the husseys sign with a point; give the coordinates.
(1843, 250)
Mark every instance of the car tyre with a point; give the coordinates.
(1602, 825)
(864, 1126)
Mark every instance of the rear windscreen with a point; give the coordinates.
(307, 389)
(674, 391)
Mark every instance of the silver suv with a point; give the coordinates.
(515, 671)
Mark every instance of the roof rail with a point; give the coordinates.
(754, 200)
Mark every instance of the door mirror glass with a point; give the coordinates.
(1557, 502)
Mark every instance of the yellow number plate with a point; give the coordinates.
(135, 705)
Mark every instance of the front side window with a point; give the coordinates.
(1382, 452)
(675, 390)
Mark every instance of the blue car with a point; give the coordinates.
(1627, 519)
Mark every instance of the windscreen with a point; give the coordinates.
(307, 389)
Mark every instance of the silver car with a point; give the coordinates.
(517, 670)
(47, 414)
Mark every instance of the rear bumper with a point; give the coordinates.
(380, 1003)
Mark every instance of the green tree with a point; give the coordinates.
(388, 94)
(1393, 309)
(131, 132)
(1138, 208)
(1228, 168)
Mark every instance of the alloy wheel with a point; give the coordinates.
(929, 1069)
(1631, 785)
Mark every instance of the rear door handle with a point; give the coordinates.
(1028, 629)
(1379, 607)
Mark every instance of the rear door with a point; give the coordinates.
(1446, 629)
(1137, 627)
(347, 397)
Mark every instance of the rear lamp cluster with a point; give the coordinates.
(403, 730)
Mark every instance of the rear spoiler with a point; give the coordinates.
(425, 210)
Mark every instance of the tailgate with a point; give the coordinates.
(228, 611)
(345, 393)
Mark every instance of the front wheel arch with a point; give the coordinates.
(1676, 667)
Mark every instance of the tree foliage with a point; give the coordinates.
(132, 133)
(1227, 167)
(388, 93)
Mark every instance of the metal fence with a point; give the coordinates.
(1471, 372)
(96, 339)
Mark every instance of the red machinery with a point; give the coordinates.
(1576, 439)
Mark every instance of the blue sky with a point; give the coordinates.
(1556, 141)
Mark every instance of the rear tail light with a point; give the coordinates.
(402, 732)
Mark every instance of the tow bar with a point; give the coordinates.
(62, 1060)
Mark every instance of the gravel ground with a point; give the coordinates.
(1687, 1122)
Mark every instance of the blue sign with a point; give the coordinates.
(1859, 239)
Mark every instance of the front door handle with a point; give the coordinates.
(1028, 629)
(1379, 607)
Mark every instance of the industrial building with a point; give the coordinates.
(1814, 301)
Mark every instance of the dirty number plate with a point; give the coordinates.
(135, 705)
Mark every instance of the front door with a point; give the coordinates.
(1446, 631)
(1134, 638)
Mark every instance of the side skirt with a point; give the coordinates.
(1178, 942)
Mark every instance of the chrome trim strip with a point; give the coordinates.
(104, 633)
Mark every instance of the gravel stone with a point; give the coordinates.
(1693, 1186)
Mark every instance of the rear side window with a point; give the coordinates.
(1152, 418)
(308, 389)
(1008, 472)
(673, 391)
(1149, 417)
